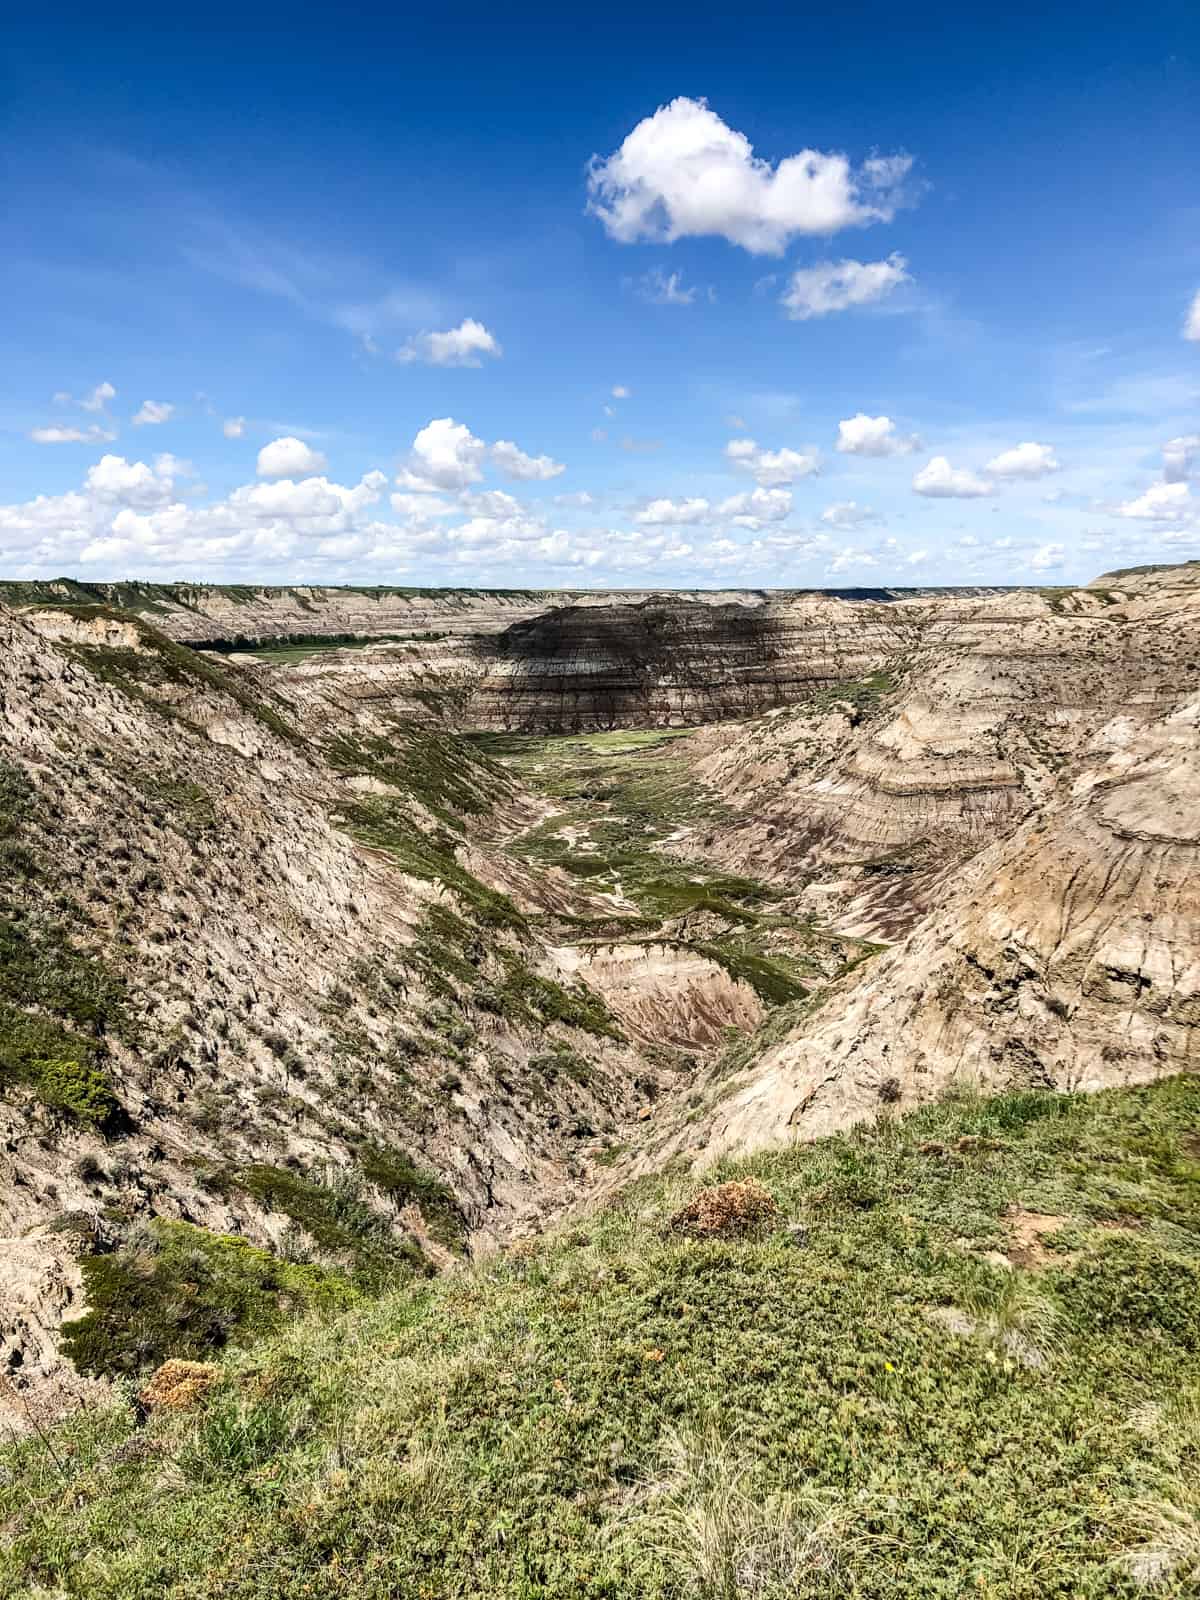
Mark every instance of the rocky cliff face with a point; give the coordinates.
(1065, 956)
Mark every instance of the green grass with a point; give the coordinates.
(57, 1001)
(177, 1290)
(628, 792)
(622, 1412)
(330, 1208)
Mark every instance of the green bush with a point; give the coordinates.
(1136, 1285)
(181, 1291)
(59, 1067)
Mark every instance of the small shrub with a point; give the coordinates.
(1133, 1284)
(729, 1210)
(178, 1385)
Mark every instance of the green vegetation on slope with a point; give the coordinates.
(624, 799)
(861, 1401)
(55, 1050)
(158, 664)
(177, 1290)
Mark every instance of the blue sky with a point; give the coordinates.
(761, 296)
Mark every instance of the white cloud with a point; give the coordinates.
(751, 509)
(940, 481)
(620, 392)
(445, 455)
(1047, 557)
(517, 464)
(56, 434)
(99, 397)
(861, 435)
(132, 482)
(664, 289)
(1191, 323)
(660, 512)
(153, 412)
(755, 507)
(288, 457)
(684, 173)
(456, 347)
(916, 557)
(1162, 502)
(233, 427)
(171, 466)
(841, 285)
(771, 468)
(845, 560)
(847, 514)
(1026, 460)
(1180, 456)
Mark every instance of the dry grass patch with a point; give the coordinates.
(729, 1210)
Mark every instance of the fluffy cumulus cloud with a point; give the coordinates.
(1181, 457)
(1162, 502)
(938, 480)
(1191, 322)
(463, 346)
(288, 458)
(752, 509)
(233, 427)
(841, 286)
(131, 482)
(152, 412)
(756, 507)
(683, 172)
(516, 464)
(1026, 460)
(445, 455)
(771, 468)
(861, 435)
(660, 512)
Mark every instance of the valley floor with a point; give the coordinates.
(956, 1354)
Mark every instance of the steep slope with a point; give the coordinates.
(1066, 956)
(246, 980)
(876, 790)
(953, 1355)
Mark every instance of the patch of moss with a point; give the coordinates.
(178, 1290)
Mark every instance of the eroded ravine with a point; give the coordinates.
(691, 957)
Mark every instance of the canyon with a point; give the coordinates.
(381, 928)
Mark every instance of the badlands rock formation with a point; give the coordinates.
(270, 928)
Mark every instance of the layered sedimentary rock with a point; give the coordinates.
(258, 613)
(1067, 957)
(875, 797)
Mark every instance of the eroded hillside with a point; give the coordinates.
(300, 950)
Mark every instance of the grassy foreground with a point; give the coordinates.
(964, 1361)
